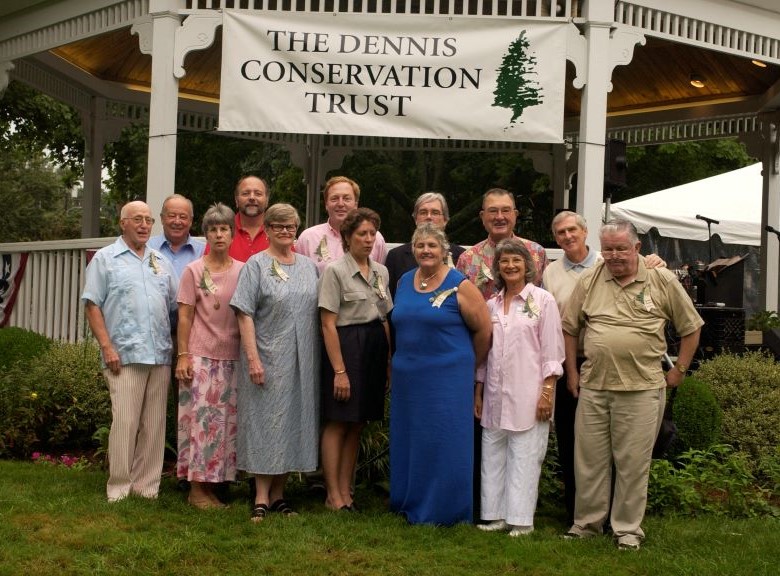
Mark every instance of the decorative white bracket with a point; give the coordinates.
(143, 28)
(621, 49)
(5, 74)
(577, 54)
(197, 32)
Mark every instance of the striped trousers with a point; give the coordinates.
(136, 443)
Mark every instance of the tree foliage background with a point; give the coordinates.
(42, 152)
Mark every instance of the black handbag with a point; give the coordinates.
(667, 433)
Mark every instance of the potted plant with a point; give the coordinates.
(759, 323)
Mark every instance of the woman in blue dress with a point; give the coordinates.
(442, 332)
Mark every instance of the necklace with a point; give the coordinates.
(424, 283)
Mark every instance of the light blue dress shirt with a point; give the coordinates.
(136, 296)
(190, 251)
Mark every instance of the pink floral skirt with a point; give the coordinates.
(207, 422)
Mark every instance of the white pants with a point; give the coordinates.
(511, 466)
(136, 444)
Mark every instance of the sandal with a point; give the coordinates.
(258, 512)
(283, 507)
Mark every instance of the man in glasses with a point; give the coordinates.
(499, 217)
(622, 307)
(429, 207)
(570, 231)
(129, 293)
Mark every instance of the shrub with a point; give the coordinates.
(57, 401)
(697, 415)
(18, 345)
(718, 481)
(747, 388)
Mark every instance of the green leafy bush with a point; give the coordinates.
(717, 481)
(18, 345)
(59, 400)
(747, 388)
(697, 415)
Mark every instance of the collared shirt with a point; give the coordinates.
(322, 243)
(344, 291)
(188, 252)
(477, 261)
(561, 276)
(624, 326)
(243, 245)
(135, 296)
(527, 348)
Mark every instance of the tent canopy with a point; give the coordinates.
(733, 198)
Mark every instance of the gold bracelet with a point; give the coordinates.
(339, 371)
(180, 354)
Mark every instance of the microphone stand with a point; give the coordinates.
(710, 222)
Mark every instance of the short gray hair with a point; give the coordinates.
(620, 226)
(218, 215)
(426, 197)
(560, 216)
(428, 230)
(498, 192)
(513, 246)
(281, 213)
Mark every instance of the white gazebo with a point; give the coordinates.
(642, 71)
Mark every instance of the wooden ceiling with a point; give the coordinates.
(658, 76)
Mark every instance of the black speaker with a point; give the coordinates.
(615, 164)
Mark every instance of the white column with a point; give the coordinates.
(163, 106)
(94, 135)
(770, 216)
(593, 115)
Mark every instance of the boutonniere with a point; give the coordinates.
(379, 287)
(531, 308)
(322, 250)
(484, 275)
(440, 296)
(208, 286)
(645, 300)
(278, 271)
(153, 263)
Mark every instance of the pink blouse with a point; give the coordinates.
(214, 331)
(527, 348)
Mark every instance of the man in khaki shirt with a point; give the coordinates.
(622, 307)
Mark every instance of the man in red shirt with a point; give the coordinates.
(251, 201)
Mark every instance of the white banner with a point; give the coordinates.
(463, 78)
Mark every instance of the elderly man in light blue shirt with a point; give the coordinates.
(129, 293)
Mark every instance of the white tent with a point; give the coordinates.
(733, 198)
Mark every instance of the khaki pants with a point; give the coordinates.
(620, 428)
(136, 444)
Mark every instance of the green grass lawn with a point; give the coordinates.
(56, 521)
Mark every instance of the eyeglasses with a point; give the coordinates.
(615, 251)
(493, 212)
(138, 220)
(431, 213)
(283, 227)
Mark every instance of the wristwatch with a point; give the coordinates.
(681, 368)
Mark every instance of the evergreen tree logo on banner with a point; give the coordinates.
(514, 89)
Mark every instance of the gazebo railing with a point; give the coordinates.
(49, 300)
